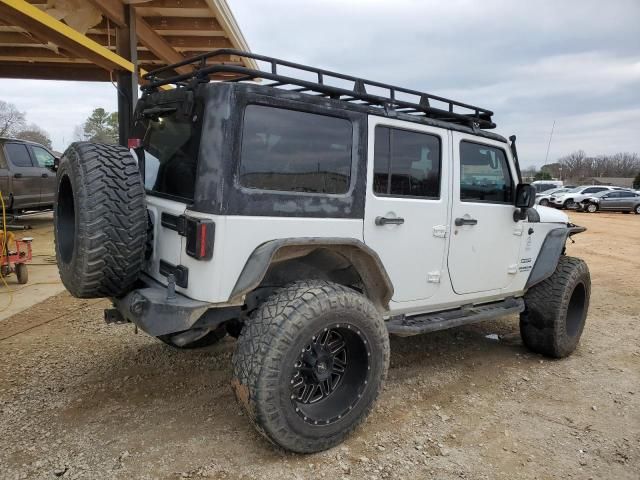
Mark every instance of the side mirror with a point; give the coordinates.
(525, 196)
(56, 164)
(525, 199)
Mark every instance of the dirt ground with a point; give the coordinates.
(79, 399)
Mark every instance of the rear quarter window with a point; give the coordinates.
(293, 151)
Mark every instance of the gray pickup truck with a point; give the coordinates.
(27, 175)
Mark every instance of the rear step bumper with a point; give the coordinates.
(151, 310)
(431, 322)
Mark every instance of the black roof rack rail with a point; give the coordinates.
(358, 90)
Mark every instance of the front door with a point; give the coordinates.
(485, 240)
(45, 161)
(26, 176)
(407, 204)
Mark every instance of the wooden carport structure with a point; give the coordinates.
(111, 40)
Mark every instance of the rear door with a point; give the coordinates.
(407, 204)
(44, 161)
(26, 176)
(170, 142)
(485, 241)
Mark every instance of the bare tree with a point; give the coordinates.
(578, 165)
(11, 119)
(34, 133)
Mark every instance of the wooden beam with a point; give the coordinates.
(47, 29)
(158, 45)
(113, 9)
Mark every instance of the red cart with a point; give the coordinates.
(15, 261)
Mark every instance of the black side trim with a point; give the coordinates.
(548, 256)
(366, 261)
(431, 322)
(173, 222)
(180, 272)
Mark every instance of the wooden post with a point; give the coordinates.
(127, 82)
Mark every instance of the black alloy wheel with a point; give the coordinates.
(330, 374)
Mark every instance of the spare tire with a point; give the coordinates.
(100, 220)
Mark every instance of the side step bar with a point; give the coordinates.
(405, 326)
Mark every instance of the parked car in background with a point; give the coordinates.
(576, 195)
(543, 198)
(27, 175)
(617, 200)
(546, 185)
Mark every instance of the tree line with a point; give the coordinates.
(101, 126)
(580, 166)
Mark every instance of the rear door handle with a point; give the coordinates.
(44, 175)
(465, 221)
(389, 221)
(17, 175)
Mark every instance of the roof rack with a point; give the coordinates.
(323, 83)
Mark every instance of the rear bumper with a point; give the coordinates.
(151, 310)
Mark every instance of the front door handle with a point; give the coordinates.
(465, 221)
(389, 221)
(17, 175)
(45, 175)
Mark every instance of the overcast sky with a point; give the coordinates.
(575, 62)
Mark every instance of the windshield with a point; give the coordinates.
(170, 148)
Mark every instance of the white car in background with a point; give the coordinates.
(543, 197)
(576, 195)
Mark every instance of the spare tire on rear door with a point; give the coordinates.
(100, 220)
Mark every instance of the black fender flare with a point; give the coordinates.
(377, 283)
(550, 251)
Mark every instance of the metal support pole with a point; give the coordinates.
(127, 82)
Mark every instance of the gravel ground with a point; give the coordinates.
(80, 399)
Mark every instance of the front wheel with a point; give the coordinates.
(310, 363)
(592, 208)
(569, 204)
(544, 202)
(637, 209)
(556, 309)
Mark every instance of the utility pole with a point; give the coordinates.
(546, 159)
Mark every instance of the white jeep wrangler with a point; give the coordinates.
(310, 215)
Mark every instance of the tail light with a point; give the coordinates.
(200, 235)
(134, 143)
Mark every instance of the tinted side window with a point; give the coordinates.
(287, 150)
(44, 158)
(18, 154)
(626, 194)
(484, 174)
(594, 190)
(406, 163)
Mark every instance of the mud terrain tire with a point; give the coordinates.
(268, 360)
(100, 220)
(556, 309)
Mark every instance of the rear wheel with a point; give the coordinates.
(22, 273)
(310, 363)
(556, 309)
